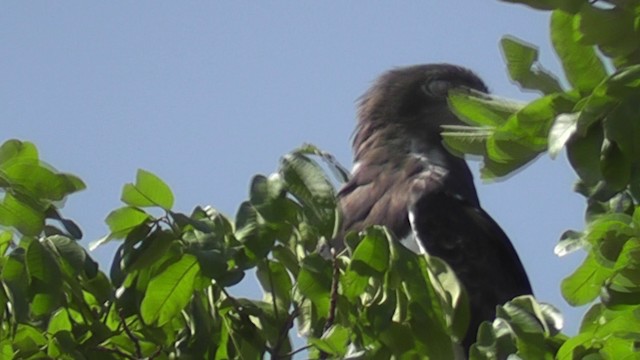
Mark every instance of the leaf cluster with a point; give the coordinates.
(594, 117)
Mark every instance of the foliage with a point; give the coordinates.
(169, 292)
(595, 118)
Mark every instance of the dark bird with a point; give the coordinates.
(404, 178)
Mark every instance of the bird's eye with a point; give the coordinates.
(438, 88)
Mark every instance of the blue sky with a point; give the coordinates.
(207, 94)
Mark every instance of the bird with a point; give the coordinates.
(404, 178)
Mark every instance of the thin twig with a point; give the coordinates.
(136, 341)
(297, 351)
(284, 332)
(333, 305)
(115, 351)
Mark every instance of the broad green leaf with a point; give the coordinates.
(564, 126)
(276, 284)
(525, 319)
(150, 249)
(583, 286)
(267, 195)
(306, 181)
(20, 215)
(411, 275)
(38, 181)
(481, 109)
(372, 252)
(534, 121)
(28, 341)
(370, 259)
(123, 220)
(314, 282)
(71, 252)
(60, 321)
(581, 65)
(14, 275)
(621, 128)
(466, 139)
(570, 241)
(45, 279)
(614, 30)
(334, 341)
(6, 350)
(615, 166)
(16, 150)
(213, 263)
(149, 190)
(521, 59)
(583, 153)
(287, 258)
(340, 172)
(169, 291)
(6, 239)
(574, 347)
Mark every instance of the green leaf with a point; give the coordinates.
(372, 252)
(16, 150)
(584, 154)
(169, 291)
(615, 166)
(45, 279)
(564, 126)
(521, 59)
(583, 286)
(613, 30)
(20, 215)
(151, 249)
(149, 190)
(27, 342)
(38, 181)
(477, 108)
(277, 285)
(582, 66)
(71, 252)
(334, 341)
(6, 239)
(570, 241)
(314, 282)
(621, 129)
(370, 259)
(466, 139)
(306, 181)
(14, 275)
(213, 263)
(340, 172)
(123, 220)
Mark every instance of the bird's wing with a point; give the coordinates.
(470, 241)
(378, 195)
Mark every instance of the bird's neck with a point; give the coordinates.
(391, 147)
(408, 154)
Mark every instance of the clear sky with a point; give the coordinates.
(208, 93)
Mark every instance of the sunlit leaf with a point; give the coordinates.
(582, 66)
(169, 291)
(149, 190)
(123, 220)
(522, 63)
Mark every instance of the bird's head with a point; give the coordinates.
(410, 103)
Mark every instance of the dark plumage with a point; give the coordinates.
(405, 179)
